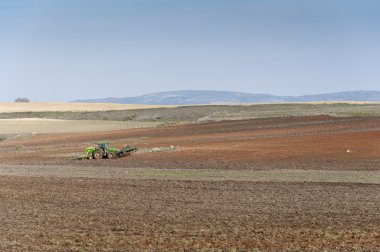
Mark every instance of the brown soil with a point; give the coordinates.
(291, 143)
(58, 213)
(125, 215)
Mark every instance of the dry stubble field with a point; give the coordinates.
(12, 107)
(266, 184)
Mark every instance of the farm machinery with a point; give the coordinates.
(103, 150)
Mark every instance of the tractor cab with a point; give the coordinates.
(102, 146)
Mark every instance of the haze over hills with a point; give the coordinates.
(191, 97)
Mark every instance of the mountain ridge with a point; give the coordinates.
(193, 97)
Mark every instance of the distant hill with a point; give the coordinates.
(191, 97)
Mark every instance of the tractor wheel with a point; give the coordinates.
(97, 154)
(111, 155)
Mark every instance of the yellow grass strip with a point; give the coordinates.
(42, 126)
(9, 107)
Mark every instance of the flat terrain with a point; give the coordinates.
(116, 215)
(196, 113)
(308, 183)
(12, 107)
(364, 177)
(310, 143)
(25, 126)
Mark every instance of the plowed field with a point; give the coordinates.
(283, 143)
(298, 183)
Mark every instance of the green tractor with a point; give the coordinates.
(103, 150)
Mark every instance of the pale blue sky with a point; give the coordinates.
(62, 50)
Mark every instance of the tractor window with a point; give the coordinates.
(103, 146)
